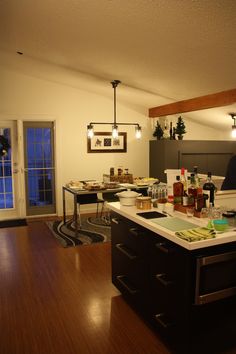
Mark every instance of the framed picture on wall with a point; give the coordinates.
(104, 142)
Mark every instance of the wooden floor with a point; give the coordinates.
(61, 300)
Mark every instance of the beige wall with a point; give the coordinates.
(31, 90)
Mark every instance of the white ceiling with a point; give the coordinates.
(169, 50)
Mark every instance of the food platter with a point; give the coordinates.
(145, 181)
(78, 185)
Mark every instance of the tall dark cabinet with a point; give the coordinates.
(208, 155)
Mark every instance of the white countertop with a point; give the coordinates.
(130, 212)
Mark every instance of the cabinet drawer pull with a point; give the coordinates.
(121, 247)
(115, 220)
(163, 320)
(162, 246)
(162, 279)
(123, 280)
(134, 231)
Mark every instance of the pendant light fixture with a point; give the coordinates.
(114, 124)
(233, 116)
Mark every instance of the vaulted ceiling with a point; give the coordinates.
(169, 50)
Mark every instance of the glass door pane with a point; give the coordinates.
(39, 168)
(6, 178)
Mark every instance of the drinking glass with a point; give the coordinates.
(152, 193)
(213, 214)
(204, 213)
(161, 194)
(190, 212)
(216, 213)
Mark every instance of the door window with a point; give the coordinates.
(6, 180)
(39, 168)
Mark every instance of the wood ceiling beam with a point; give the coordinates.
(219, 99)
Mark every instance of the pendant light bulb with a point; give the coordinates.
(90, 132)
(138, 132)
(115, 131)
(233, 131)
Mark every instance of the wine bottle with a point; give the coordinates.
(171, 131)
(209, 190)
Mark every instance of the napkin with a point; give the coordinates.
(196, 234)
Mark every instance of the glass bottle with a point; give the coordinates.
(196, 176)
(199, 201)
(171, 131)
(178, 191)
(209, 190)
(183, 180)
(192, 190)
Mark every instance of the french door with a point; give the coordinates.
(11, 189)
(39, 168)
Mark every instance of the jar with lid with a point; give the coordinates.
(112, 171)
(120, 171)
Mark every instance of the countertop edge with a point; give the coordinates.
(130, 213)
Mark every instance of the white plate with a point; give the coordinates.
(77, 188)
(127, 185)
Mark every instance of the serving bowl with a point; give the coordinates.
(128, 198)
(220, 224)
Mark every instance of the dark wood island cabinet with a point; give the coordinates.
(187, 296)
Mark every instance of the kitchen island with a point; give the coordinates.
(185, 290)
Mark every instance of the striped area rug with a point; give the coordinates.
(93, 230)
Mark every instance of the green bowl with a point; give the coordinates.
(220, 224)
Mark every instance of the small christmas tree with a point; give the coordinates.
(180, 128)
(158, 132)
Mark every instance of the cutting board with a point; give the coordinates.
(174, 223)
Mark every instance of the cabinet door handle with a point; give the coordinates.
(121, 247)
(162, 246)
(123, 280)
(162, 279)
(163, 320)
(115, 220)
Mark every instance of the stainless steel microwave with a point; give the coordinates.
(215, 277)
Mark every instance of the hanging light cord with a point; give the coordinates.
(115, 83)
